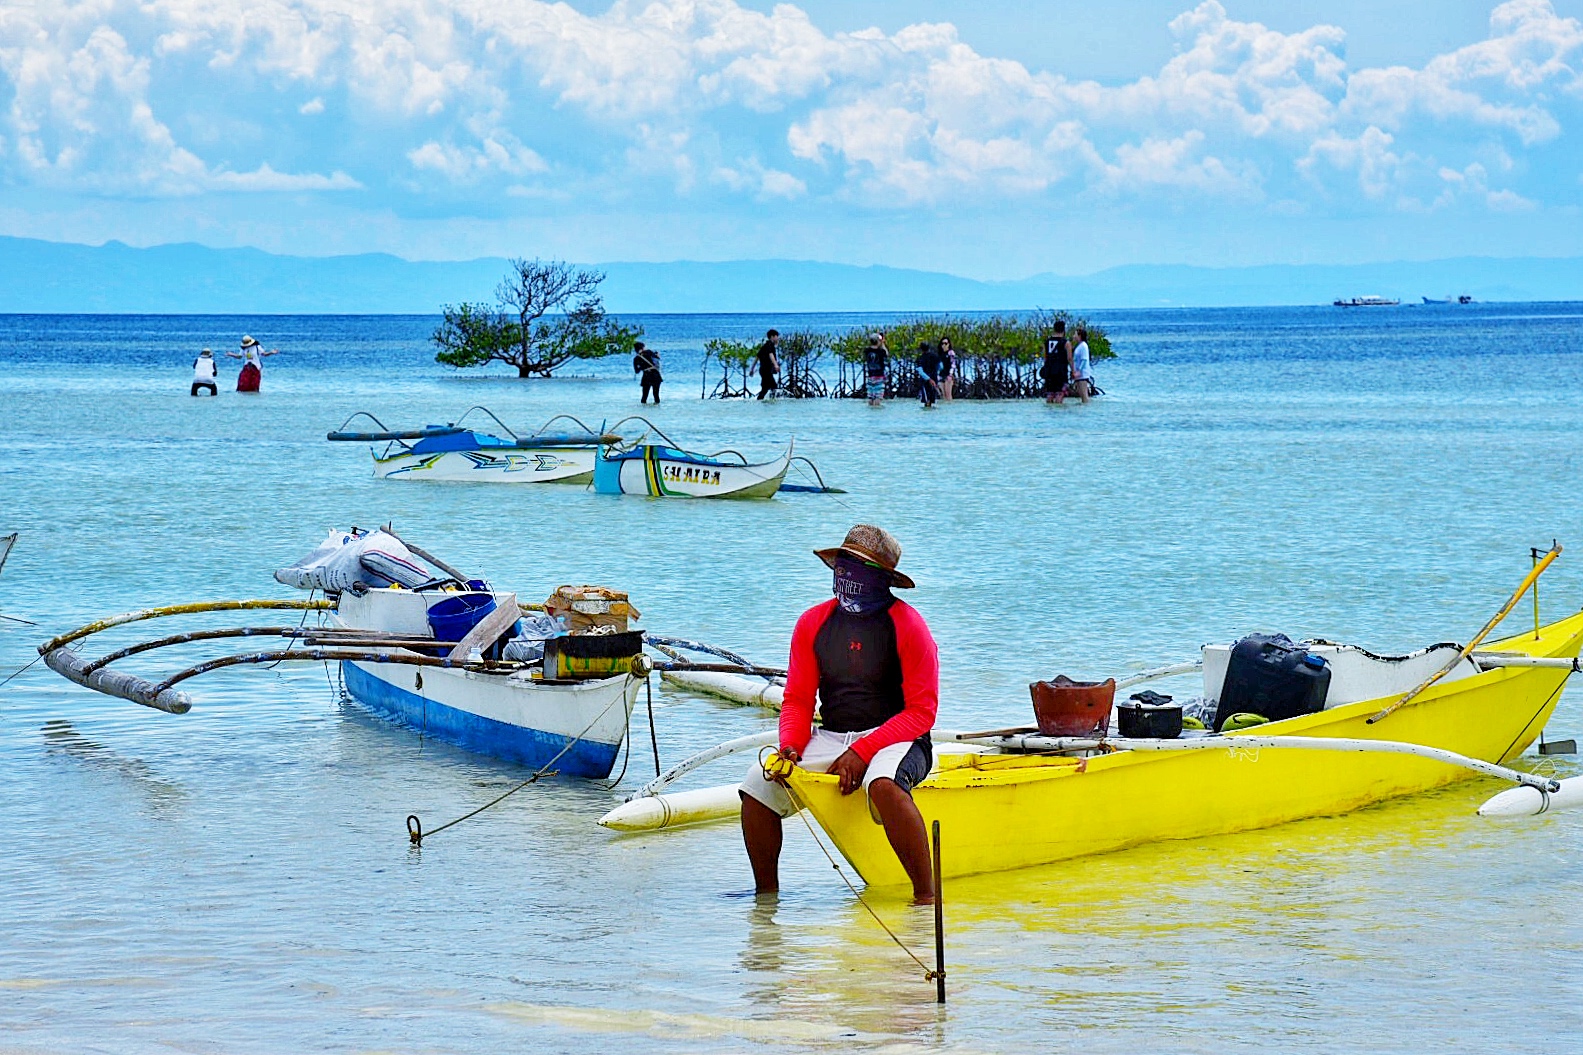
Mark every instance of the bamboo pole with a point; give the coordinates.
(333, 655)
(1502, 659)
(769, 738)
(180, 609)
(722, 668)
(1531, 579)
(1242, 742)
(348, 637)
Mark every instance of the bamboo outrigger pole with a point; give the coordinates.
(179, 609)
(1017, 743)
(1530, 580)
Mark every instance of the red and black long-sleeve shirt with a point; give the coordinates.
(879, 672)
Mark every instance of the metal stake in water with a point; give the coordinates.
(939, 923)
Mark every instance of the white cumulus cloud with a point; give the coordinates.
(668, 97)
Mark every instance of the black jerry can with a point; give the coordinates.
(1269, 675)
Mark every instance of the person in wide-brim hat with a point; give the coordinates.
(871, 545)
(252, 357)
(869, 659)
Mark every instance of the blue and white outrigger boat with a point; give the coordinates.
(455, 453)
(505, 711)
(451, 676)
(664, 470)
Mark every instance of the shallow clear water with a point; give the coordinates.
(238, 879)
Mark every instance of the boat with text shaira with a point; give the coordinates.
(454, 453)
(1025, 800)
(664, 471)
(1370, 301)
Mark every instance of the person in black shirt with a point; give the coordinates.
(869, 661)
(646, 363)
(1056, 362)
(928, 374)
(769, 364)
(875, 359)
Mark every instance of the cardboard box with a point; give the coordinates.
(585, 607)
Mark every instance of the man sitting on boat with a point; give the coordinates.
(871, 661)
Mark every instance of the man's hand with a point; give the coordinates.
(849, 769)
(778, 767)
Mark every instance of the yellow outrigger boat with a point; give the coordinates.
(1000, 811)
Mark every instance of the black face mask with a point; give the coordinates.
(861, 588)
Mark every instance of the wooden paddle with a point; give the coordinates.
(1532, 577)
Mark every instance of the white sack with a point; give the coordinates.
(376, 559)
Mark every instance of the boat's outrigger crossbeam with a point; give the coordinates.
(669, 645)
(180, 609)
(1024, 743)
(315, 635)
(359, 645)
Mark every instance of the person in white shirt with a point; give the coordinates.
(204, 372)
(1082, 382)
(252, 356)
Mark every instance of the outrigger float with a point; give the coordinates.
(453, 453)
(428, 649)
(1389, 726)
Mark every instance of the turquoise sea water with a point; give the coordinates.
(238, 879)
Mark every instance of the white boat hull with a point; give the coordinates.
(658, 476)
(567, 465)
(579, 725)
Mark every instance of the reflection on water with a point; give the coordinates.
(240, 878)
(62, 740)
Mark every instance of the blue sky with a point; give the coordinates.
(993, 141)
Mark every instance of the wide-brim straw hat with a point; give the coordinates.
(874, 545)
(248, 342)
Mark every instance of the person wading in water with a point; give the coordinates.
(252, 356)
(646, 364)
(875, 358)
(872, 663)
(769, 364)
(204, 372)
(1057, 360)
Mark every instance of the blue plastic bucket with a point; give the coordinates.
(453, 617)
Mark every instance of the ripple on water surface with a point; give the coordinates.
(239, 879)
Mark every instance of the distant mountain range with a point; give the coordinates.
(56, 277)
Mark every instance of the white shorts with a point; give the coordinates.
(907, 763)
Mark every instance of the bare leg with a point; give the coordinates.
(1082, 390)
(761, 834)
(904, 828)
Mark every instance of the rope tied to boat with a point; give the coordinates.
(783, 767)
(415, 831)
